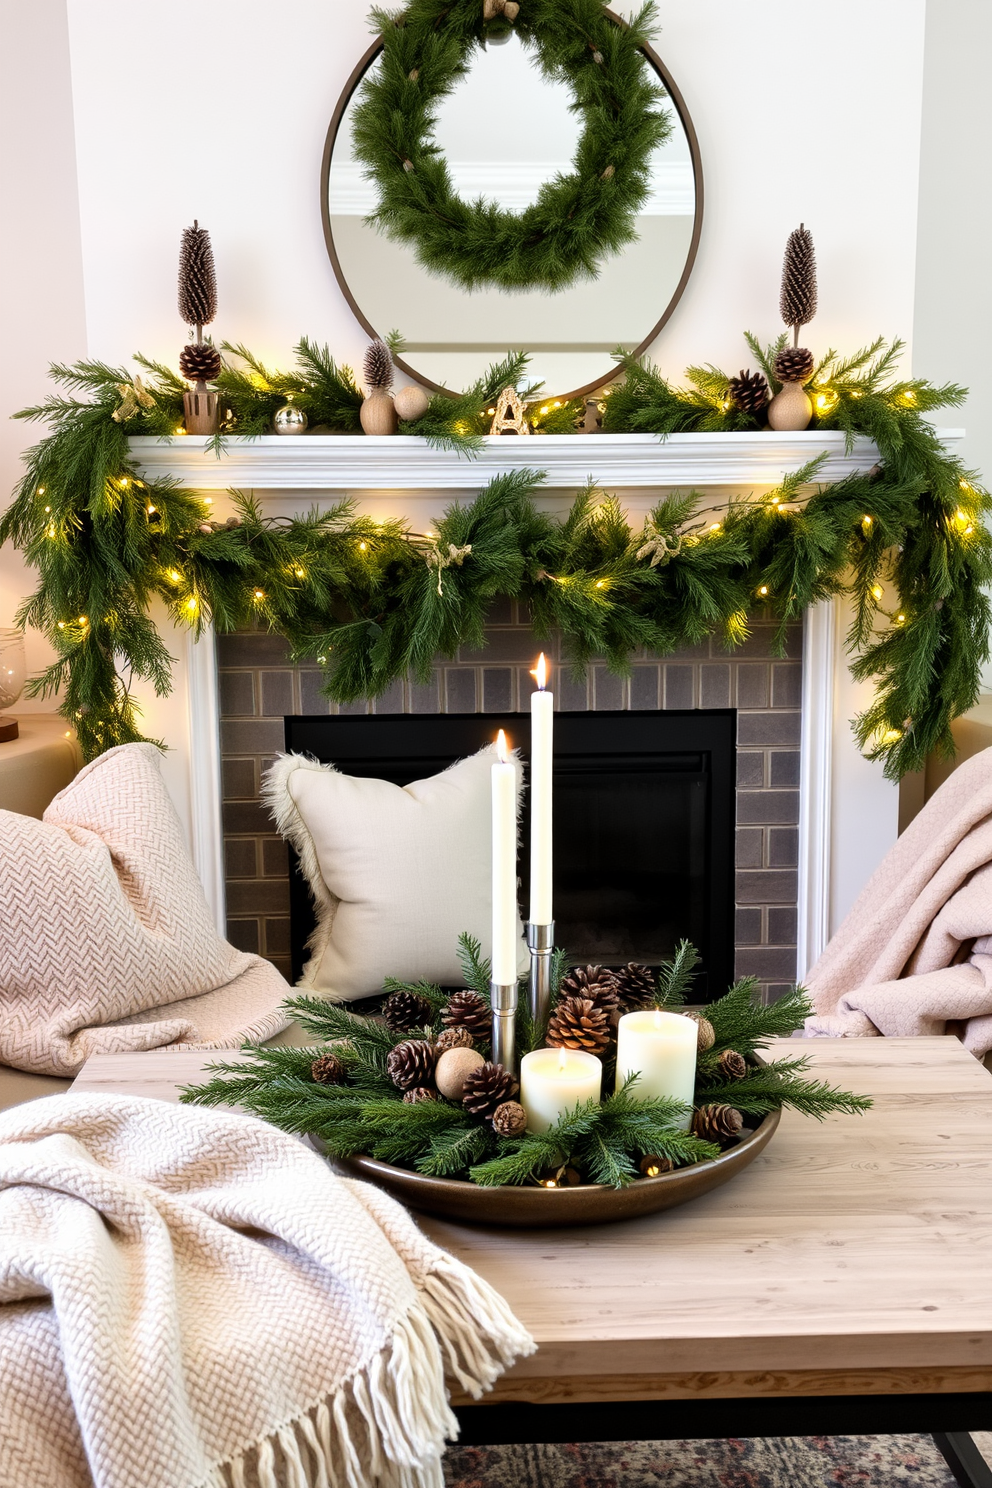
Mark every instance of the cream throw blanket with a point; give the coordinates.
(106, 941)
(915, 952)
(192, 1299)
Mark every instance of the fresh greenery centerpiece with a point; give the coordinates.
(357, 1091)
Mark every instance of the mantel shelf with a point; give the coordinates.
(349, 462)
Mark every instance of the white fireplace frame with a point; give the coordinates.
(848, 811)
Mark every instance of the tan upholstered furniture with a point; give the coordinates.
(38, 764)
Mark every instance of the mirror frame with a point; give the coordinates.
(677, 102)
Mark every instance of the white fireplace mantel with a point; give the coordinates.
(848, 812)
(349, 462)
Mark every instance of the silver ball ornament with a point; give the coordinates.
(411, 402)
(289, 420)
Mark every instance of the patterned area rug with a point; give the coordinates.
(769, 1462)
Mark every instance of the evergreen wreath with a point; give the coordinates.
(578, 218)
(363, 599)
(361, 1110)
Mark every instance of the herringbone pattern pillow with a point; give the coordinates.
(106, 940)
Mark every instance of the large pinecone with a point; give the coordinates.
(793, 364)
(467, 1010)
(378, 365)
(749, 391)
(595, 983)
(197, 277)
(405, 1010)
(717, 1123)
(411, 1064)
(486, 1088)
(199, 362)
(636, 987)
(797, 300)
(577, 1023)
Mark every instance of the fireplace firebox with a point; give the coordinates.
(644, 813)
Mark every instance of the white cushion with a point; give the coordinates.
(106, 940)
(396, 872)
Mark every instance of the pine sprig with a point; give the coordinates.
(742, 1022)
(675, 977)
(476, 969)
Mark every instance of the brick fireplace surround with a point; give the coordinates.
(259, 687)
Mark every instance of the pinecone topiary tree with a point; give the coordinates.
(749, 392)
(378, 366)
(797, 300)
(197, 279)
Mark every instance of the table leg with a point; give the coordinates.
(962, 1456)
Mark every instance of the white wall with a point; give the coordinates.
(41, 308)
(201, 110)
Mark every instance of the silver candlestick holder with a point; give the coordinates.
(503, 999)
(540, 942)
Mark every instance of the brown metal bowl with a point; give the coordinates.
(530, 1207)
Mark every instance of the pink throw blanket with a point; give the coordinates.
(915, 952)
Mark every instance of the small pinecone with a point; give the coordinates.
(411, 1064)
(453, 1038)
(199, 362)
(378, 365)
(487, 1088)
(717, 1123)
(417, 1094)
(328, 1070)
(636, 987)
(749, 391)
(405, 1010)
(793, 364)
(732, 1066)
(197, 277)
(510, 1119)
(705, 1032)
(577, 1023)
(653, 1167)
(467, 1010)
(597, 984)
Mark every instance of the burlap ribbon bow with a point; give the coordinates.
(133, 397)
(493, 8)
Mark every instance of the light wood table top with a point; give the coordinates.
(851, 1257)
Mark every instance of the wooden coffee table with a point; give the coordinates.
(841, 1285)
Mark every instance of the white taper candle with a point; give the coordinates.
(504, 785)
(542, 724)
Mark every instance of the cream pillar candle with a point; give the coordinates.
(660, 1048)
(504, 788)
(555, 1081)
(542, 722)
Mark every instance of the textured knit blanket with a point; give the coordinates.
(915, 953)
(106, 940)
(189, 1297)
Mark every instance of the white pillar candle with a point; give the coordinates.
(504, 786)
(542, 723)
(660, 1048)
(555, 1081)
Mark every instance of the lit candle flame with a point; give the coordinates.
(561, 1061)
(657, 1018)
(540, 673)
(502, 754)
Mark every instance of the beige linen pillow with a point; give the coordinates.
(106, 941)
(396, 872)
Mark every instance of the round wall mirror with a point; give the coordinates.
(450, 334)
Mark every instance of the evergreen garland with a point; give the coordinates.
(578, 218)
(369, 601)
(603, 1140)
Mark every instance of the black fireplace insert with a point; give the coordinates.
(644, 809)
